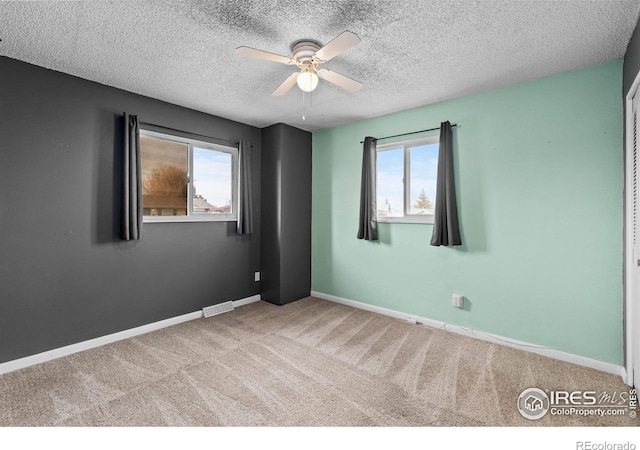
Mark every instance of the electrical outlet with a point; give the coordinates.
(257, 276)
(458, 301)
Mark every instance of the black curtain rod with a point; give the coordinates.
(217, 140)
(413, 132)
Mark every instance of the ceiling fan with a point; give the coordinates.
(307, 55)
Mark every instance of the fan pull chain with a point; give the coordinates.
(303, 105)
(304, 117)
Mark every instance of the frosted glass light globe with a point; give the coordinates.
(307, 80)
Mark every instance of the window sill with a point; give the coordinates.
(419, 220)
(182, 219)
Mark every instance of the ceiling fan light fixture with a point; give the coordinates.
(307, 80)
(307, 55)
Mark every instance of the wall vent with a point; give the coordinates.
(217, 309)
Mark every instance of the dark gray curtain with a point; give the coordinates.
(131, 227)
(445, 226)
(368, 229)
(245, 208)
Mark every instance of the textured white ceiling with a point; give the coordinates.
(412, 52)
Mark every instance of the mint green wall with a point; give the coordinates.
(539, 173)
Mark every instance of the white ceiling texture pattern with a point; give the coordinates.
(412, 52)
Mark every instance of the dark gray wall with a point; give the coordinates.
(631, 61)
(286, 215)
(65, 276)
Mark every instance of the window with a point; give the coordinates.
(186, 180)
(406, 180)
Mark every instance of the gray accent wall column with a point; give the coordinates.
(285, 250)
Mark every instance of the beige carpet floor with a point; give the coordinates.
(309, 363)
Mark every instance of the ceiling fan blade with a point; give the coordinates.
(261, 54)
(340, 44)
(346, 83)
(286, 85)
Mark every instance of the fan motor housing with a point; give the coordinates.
(304, 49)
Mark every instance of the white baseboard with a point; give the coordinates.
(27, 361)
(246, 301)
(544, 351)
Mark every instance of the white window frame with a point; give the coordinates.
(406, 145)
(191, 216)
